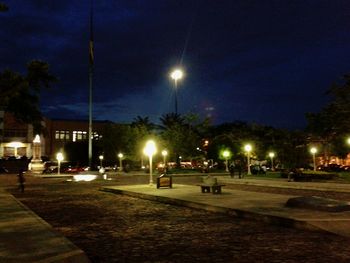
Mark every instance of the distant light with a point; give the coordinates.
(36, 139)
(15, 144)
(101, 157)
(272, 154)
(248, 148)
(164, 153)
(59, 157)
(120, 155)
(226, 153)
(313, 150)
(150, 148)
(176, 74)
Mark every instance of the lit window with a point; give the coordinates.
(79, 135)
(62, 135)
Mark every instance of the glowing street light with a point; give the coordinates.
(176, 75)
(120, 156)
(149, 150)
(271, 155)
(248, 149)
(164, 153)
(313, 151)
(348, 140)
(101, 159)
(226, 154)
(59, 158)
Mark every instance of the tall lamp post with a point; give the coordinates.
(176, 75)
(248, 149)
(226, 154)
(120, 155)
(149, 150)
(59, 157)
(313, 151)
(271, 155)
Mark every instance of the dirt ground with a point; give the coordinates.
(118, 228)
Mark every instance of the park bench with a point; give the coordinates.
(210, 184)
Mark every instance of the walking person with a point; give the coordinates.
(239, 169)
(232, 170)
(21, 180)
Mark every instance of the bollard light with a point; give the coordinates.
(59, 158)
(226, 154)
(248, 149)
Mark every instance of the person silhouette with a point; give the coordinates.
(21, 180)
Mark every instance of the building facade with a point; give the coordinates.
(16, 137)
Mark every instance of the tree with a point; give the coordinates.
(332, 124)
(180, 135)
(143, 123)
(21, 93)
(3, 7)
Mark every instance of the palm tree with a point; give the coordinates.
(142, 123)
(170, 120)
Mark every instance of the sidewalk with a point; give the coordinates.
(25, 237)
(254, 205)
(283, 183)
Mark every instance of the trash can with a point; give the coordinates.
(164, 180)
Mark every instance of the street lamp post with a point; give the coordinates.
(313, 151)
(248, 149)
(176, 75)
(59, 158)
(226, 155)
(101, 159)
(120, 155)
(149, 150)
(271, 155)
(164, 153)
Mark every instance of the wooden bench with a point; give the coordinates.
(210, 184)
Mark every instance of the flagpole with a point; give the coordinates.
(91, 71)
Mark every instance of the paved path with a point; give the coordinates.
(25, 237)
(261, 206)
(283, 183)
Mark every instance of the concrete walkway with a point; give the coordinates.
(25, 237)
(283, 183)
(254, 205)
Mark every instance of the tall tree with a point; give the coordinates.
(20, 94)
(180, 135)
(143, 123)
(332, 124)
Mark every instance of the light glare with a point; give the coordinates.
(176, 74)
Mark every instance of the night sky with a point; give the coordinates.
(267, 62)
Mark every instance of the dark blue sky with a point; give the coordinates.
(267, 62)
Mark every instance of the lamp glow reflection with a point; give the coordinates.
(149, 150)
(84, 177)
